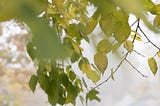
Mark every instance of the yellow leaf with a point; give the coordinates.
(101, 61)
(90, 26)
(158, 54)
(93, 75)
(138, 38)
(152, 65)
(128, 45)
(76, 47)
(85, 68)
(156, 21)
(156, 9)
(104, 46)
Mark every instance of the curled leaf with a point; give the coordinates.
(152, 65)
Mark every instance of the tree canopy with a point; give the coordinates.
(57, 28)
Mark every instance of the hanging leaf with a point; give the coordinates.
(33, 82)
(101, 61)
(158, 54)
(90, 26)
(128, 45)
(152, 65)
(93, 75)
(156, 9)
(138, 38)
(156, 22)
(84, 65)
(104, 46)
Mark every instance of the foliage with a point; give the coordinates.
(59, 26)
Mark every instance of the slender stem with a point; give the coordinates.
(148, 39)
(135, 68)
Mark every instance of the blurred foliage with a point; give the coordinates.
(57, 28)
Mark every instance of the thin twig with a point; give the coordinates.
(139, 53)
(148, 39)
(135, 68)
(134, 23)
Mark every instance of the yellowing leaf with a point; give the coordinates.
(76, 47)
(101, 61)
(152, 65)
(128, 45)
(158, 54)
(85, 68)
(156, 21)
(93, 75)
(104, 46)
(156, 9)
(148, 4)
(84, 65)
(90, 26)
(138, 38)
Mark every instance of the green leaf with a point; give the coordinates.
(128, 45)
(104, 46)
(156, 9)
(92, 95)
(33, 82)
(31, 49)
(84, 65)
(148, 4)
(101, 61)
(93, 75)
(156, 22)
(153, 65)
(107, 24)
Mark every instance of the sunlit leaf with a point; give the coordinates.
(148, 4)
(101, 61)
(84, 65)
(90, 26)
(156, 22)
(104, 46)
(128, 45)
(138, 38)
(156, 9)
(93, 75)
(153, 65)
(158, 54)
